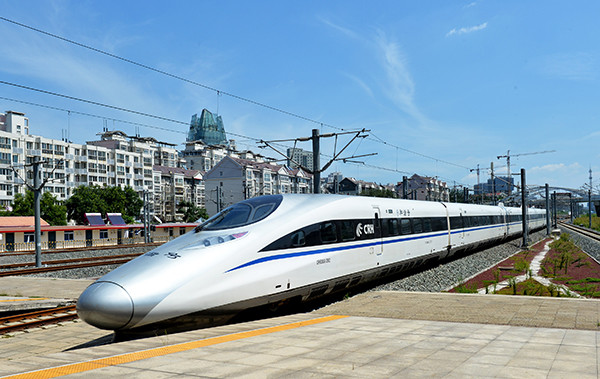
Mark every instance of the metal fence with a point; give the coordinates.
(79, 244)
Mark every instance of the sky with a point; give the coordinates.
(442, 86)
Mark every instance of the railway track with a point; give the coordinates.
(106, 262)
(24, 321)
(586, 232)
(68, 261)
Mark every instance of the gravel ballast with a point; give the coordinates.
(448, 274)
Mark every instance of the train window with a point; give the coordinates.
(438, 223)
(243, 213)
(347, 230)
(313, 237)
(456, 223)
(328, 232)
(393, 228)
(427, 225)
(297, 239)
(466, 221)
(417, 225)
(405, 227)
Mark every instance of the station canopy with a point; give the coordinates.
(94, 219)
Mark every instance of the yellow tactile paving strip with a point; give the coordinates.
(160, 351)
(30, 299)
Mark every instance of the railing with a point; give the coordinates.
(78, 244)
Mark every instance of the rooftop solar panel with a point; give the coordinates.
(94, 219)
(116, 219)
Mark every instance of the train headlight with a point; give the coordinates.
(215, 240)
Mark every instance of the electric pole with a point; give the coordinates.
(316, 169)
(524, 209)
(316, 145)
(548, 228)
(590, 199)
(37, 189)
(478, 184)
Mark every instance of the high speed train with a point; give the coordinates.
(274, 248)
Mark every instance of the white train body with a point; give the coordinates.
(272, 248)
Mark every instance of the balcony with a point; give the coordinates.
(34, 152)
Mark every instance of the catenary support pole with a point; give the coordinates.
(554, 210)
(37, 189)
(316, 161)
(524, 210)
(590, 200)
(548, 227)
(493, 185)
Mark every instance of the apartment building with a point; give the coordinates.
(116, 159)
(236, 179)
(425, 188)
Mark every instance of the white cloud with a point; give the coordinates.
(571, 66)
(345, 31)
(400, 87)
(361, 84)
(466, 30)
(555, 167)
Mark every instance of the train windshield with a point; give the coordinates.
(243, 213)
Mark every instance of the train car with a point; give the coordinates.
(274, 248)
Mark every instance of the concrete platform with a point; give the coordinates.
(375, 334)
(20, 294)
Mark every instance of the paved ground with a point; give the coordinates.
(378, 335)
(565, 313)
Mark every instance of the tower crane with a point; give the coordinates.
(507, 156)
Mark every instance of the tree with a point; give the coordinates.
(96, 199)
(51, 209)
(191, 212)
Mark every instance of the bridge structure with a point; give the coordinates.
(571, 200)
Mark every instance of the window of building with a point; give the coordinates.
(103, 234)
(69, 235)
(29, 237)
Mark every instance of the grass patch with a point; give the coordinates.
(530, 287)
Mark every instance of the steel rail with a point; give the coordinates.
(71, 260)
(38, 270)
(85, 248)
(585, 231)
(37, 319)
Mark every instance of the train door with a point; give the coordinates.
(377, 229)
(10, 241)
(89, 235)
(461, 228)
(52, 240)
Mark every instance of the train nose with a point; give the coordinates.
(105, 305)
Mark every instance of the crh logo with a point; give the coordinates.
(364, 229)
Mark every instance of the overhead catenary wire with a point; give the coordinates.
(165, 129)
(218, 91)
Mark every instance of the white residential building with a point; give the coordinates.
(236, 179)
(116, 159)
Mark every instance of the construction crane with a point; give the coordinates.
(507, 156)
